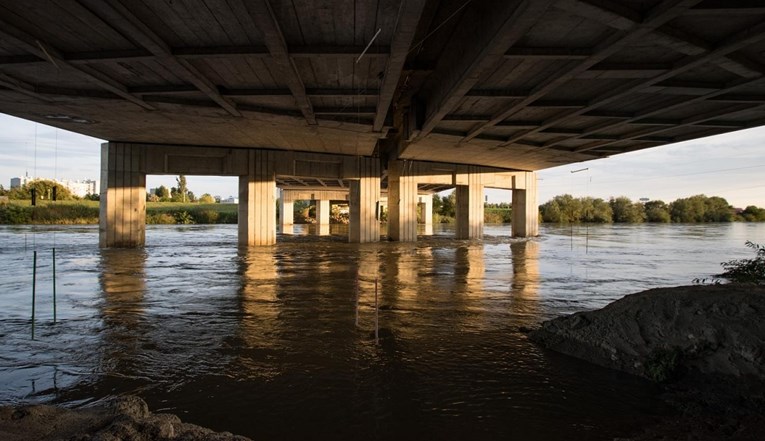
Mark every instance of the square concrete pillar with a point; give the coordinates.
(286, 211)
(364, 201)
(525, 207)
(426, 213)
(122, 222)
(402, 202)
(257, 205)
(469, 209)
(322, 211)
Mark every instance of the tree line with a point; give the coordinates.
(699, 208)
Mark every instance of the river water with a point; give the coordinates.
(264, 342)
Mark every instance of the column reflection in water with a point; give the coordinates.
(123, 282)
(259, 312)
(525, 284)
(368, 271)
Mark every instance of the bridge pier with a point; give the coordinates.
(469, 209)
(402, 202)
(286, 212)
(426, 212)
(525, 208)
(257, 206)
(365, 203)
(323, 208)
(122, 223)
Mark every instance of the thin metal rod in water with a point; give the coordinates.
(34, 287)
(357, 300)
(377, 317)
(54, 285)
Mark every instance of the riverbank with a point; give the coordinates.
(124, 418)
(705, 344)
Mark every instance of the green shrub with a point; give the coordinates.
(160, 219)
(11, 214)
(183, 218)
(664, 364)
(205, 216)
(747, 270)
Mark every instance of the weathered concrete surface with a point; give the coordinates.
(716, 329)
(125, 418)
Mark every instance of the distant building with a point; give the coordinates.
(230, 200)
(79, 188)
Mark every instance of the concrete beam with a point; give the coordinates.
(486, 32)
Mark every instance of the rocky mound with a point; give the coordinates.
(126, 418)
(717, 329)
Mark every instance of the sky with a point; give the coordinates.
(731, 166)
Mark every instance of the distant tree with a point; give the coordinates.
(700, 208)
(753, 213)
(596, 210)
(688, 210)
(657, 211)
(206, 199)
(152, 197)
(44, 189)
(190, 196)
(162, 193)
(92, 197)
(562, 209)
(183, 190)
(437, 204)
(718, 210)
(625, 211)
(3, 191)
(449, 205)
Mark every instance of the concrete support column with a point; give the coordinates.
(122, 223)
(469, 210)
(286, 211)
(322, 211)
(426, 207)
(257, 207)
(364, 203)
(525, 207)
(402, 202)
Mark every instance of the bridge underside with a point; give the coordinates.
(124, 167)
(520, 85)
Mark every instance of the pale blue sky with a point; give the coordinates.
(730, 165)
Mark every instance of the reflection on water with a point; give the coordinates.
(264, 341)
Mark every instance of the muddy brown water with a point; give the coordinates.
(264, 343)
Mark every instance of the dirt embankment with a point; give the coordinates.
(125, 418)
(718, 329)
(705, 344)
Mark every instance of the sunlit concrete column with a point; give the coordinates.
(286, 210)
(426, 213)
(322, 216)
(364, 210)
(525, 207)
(469, 209)
(402, 202)
(257, 207)
(122, 223)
